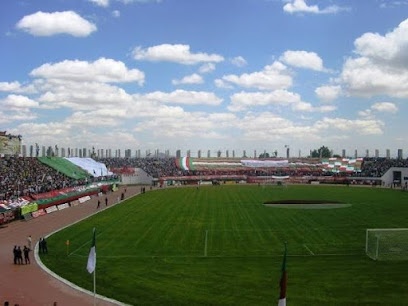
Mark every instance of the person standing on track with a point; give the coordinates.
(45, 248)
(19, 256)
(29, 241)
(15, 253)
(26, 252)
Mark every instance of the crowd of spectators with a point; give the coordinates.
(166, 167)
(20, 176)
(23, 176)
(155, 167)
(377, 166)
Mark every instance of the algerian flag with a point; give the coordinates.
(283, 282)
(92, 255)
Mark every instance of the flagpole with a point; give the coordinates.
(283, 280)
(91, 264)
(94, 285)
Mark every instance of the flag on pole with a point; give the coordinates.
(92, 255)
(283, 282)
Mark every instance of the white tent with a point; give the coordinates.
(93, 167)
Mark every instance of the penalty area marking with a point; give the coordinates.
(309, 250)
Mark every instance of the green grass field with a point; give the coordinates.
(219, 245)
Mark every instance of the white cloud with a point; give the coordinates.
(18, 102)
(253, 127)
(83, 95)
(101, 70)
(239, 61)
(17, 108)
(325, 108)
(189, 125)
(244, 100)
(111, 118)
(206, 68)
(185, 97)
(358, 126)
(12, 117)
(381, 65)
(10, 86)
(48, 24)
(16, 87)
(385, 107)
(116, 13)
(300, 6)
(102, 3)
(303, 59)
(297, 6)
(221, 84)
(54, 130)
(174, 53)
(328, 93)
(367, 113)
(189, 79)
(393, 4)
(390, 49)
(272, 77)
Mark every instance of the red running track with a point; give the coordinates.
(29, 285)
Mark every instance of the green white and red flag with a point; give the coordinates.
(91, 264)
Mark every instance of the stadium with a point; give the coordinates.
(183, 230)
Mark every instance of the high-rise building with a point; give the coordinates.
(399, 154)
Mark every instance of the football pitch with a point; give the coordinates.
(220, 245)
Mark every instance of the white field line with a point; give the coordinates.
(81, 246)
(309, 250)
(224, 256)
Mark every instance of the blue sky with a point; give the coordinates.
(206, 75)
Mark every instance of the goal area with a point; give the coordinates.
(387, 243)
